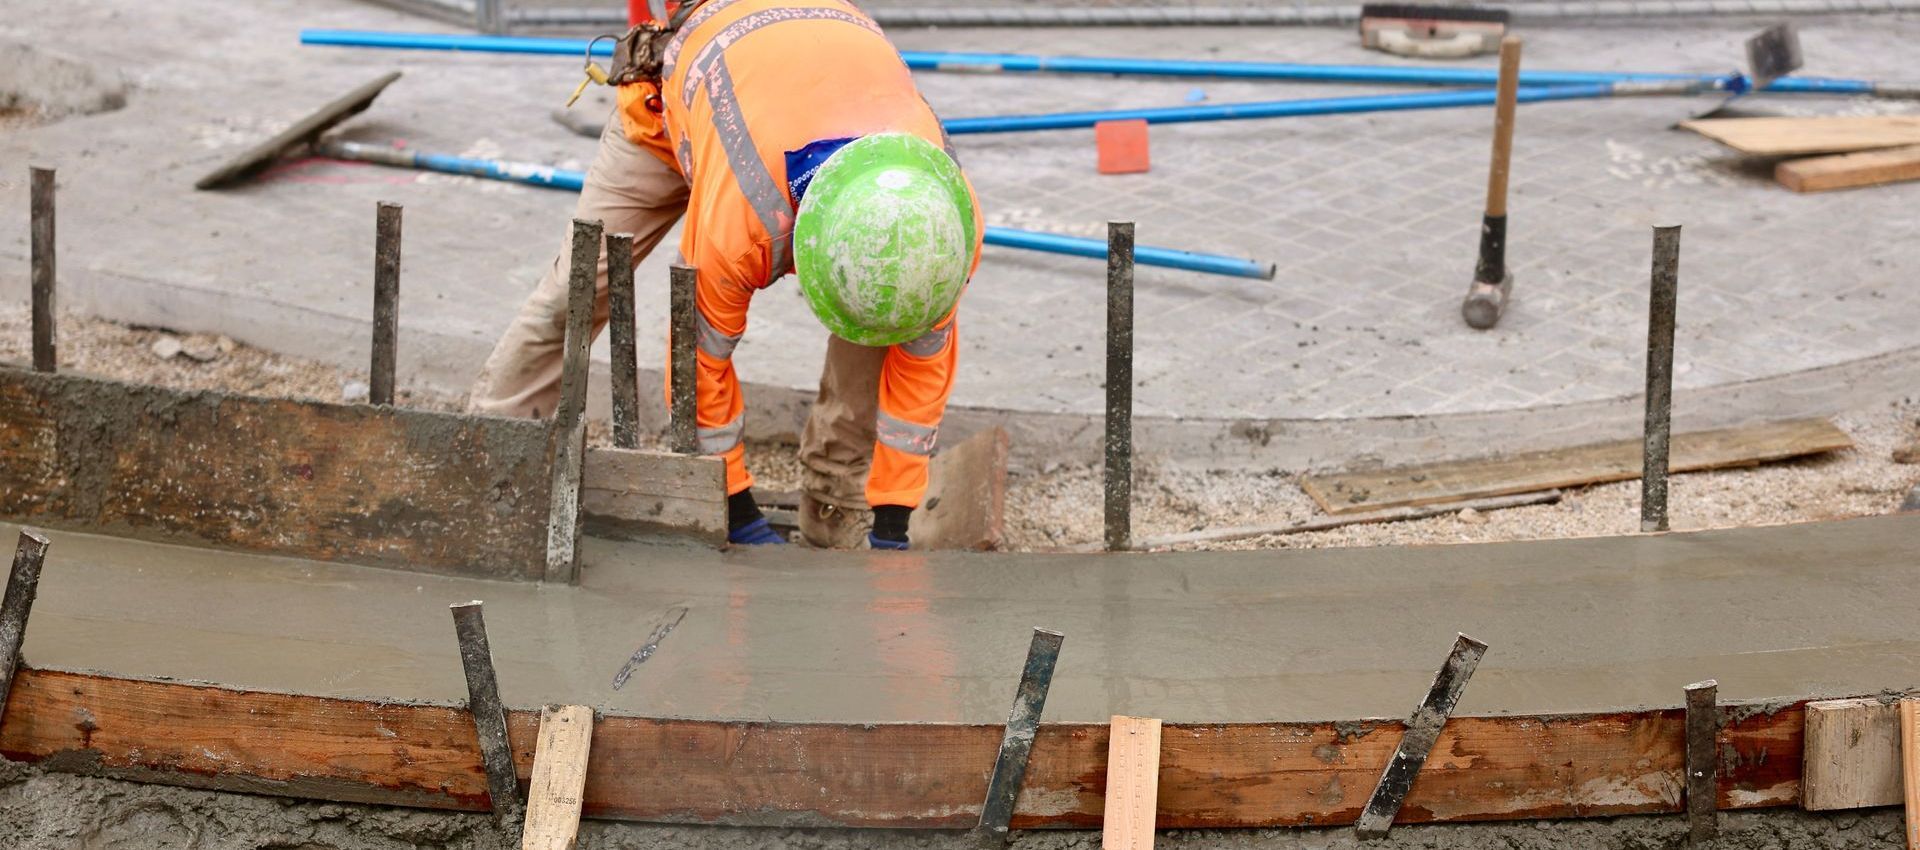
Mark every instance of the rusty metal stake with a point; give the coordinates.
(1659, 422)
(40, 207)
(1703, 761)
(386, 303)
(23, 583)
(489, 714)
(1119, 450)
(620, 328)
(1010, 768)
(569, 420)
(1423, 729)
(683, 434)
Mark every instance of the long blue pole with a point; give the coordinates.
(1026, 63)
(561, 178)
(1267, 109)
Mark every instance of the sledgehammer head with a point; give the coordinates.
(304, 132)
(1486, 302)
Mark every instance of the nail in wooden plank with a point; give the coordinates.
(1010, 768)
(1659, 421)
(386, 303)
(1133, 783)
(569, 420)
(489, 715)
(1910, 767)
(23, 584)
(620, 327)
(1423, 729)
(41, 210)
(559, 779)
(1119, 449)
(1851, 755)
(683, 435)
(1703, 760)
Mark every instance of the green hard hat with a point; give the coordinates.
(884, 239)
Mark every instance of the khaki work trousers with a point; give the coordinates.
(631, 191)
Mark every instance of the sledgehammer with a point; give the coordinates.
(1487, 297)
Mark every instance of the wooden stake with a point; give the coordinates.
(1423, 729)
(1133, 783)
(40, 206)
(1010, 768)
(683, 433)
(1119, 467)
(489, 715)
(1910, 767)
(1703, 760)
(386, 303)
(1659, 421)
(620, 327)
(559, 778)
(23, 584)
(569, 421)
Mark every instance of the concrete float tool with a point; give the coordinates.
(1492, 283)
(306, 135)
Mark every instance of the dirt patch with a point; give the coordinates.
(38, 85)
(54, 811)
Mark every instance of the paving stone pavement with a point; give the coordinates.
(1372, 219)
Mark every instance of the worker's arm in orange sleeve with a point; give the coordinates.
(720, 319)
(633, 102)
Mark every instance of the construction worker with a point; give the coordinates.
(791, 136)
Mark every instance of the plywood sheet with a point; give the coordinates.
(1824, 134)
(1426, 484)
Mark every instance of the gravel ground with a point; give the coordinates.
(1061, 507)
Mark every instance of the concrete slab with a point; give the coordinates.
(1789, 304)
(795, 635)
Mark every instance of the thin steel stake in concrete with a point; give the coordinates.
(683, 434)
(620, 326)
(1423, 729)
(41, 209)
(22, 585)
(1659, 424)
(489, 715)
(1119, 468)
(386, 303)
(1703, 760)
(1010, 769)
(569, 421)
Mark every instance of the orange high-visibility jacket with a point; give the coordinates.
(744, 83)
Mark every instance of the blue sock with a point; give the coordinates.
(756, 533)
(885, 544)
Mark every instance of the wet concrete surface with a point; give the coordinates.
(1581, 625)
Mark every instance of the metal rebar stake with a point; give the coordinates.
(23, 584)
(569, 420)
(1703, 760)
(41, 211)
(386, 303)
(489, 714)
(488, 17)
(620, 329)
(1010, 768)
(1659, 422)
(1119, 450)
(1423, 729)
(683, 434)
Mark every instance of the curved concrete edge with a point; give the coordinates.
(443, 361)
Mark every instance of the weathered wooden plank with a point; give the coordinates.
(1910, 767)
(966, 502)
(1425, 484)
(1820, 134)
(1848, 171)
(1133, 783)
(888, 775)
(559, 778)
(381, 486)
(1852, 756)
(627, 492)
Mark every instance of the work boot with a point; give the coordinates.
(828, 526)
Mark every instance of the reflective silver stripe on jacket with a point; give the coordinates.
(905, 436)
(928, 344)
(717, 345)
(710, 55)
(719, 440)
(671, 56)
(763, 193)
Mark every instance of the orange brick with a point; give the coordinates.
(1122, 146)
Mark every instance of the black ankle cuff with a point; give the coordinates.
(741, 510)
(890, 522)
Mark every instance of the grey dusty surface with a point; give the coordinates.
(1372, 219)
(50, 811)
(800, 635)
